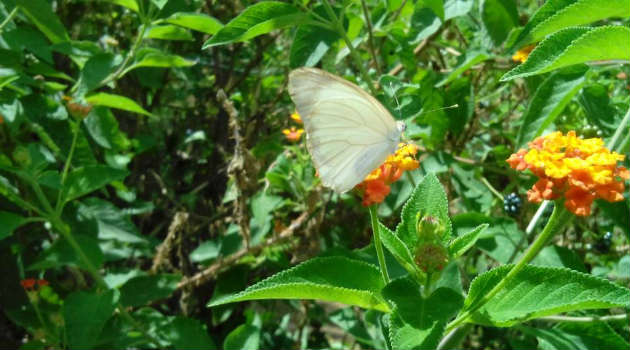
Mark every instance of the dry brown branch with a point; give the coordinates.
(212, 270)
(162, 256)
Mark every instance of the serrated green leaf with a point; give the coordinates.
(196, 21)
(141, 290)
(464, 242)
(310, 45)
(427, 199)
(41, 14)
(541, 291)
(558, 14)
(398, 248)
(464, 62)
(498, 18)
(9, 222)
(572, 46)
(335, 279)
(577, 336)
(255, 20)
(168, 32)
(115, 101)
(548, 102)
(84, 180)
(85, 315)
(418, 322)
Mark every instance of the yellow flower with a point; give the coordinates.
(296, 117)
(293, 134)
(580, 169)
(522, 54)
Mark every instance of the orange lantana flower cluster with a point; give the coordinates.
(375, 187)
(294, 134)
(581, 170)
(30, 284)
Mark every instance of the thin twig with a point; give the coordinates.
(368, 20)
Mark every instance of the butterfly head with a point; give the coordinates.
(401, 126)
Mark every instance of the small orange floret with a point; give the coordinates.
(522, 54)
(580, 169)
(375, 187)
(293, 134)
(296, 117)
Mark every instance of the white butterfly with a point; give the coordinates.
(348, 132)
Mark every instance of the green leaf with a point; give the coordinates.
(61, 254)
(464, 242)
(498, 17)
(103, 127)
(188, 333)
(398, 248)
(85, 315)
(418, 322)
(196, 21)
(41, 14)
(112, 223)
(149, 57)
(141, 290)
(464, 63)
(541, 291)
(95, 70)
(456, 8)
(245, 336)
(335, 279)
(258, 19)
(10, 222)
(115, 101)
(558, 14)
(573, 46)
(548, 102)
(206, 251)
(557, 256)
(84, 180)
(168, 32)
(437, 6)
(427, 199)
(130, 4)
(598, 108)
(310, 44)
(577, 336)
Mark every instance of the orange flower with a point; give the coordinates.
(296, 117)
(581, 170)
(30, 283)
(522, 54)
(375, 186)
(293, 134)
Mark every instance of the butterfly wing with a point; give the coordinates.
(349, 133)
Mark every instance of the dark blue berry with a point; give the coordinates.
(512, 204)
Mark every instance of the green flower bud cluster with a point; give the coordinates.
(431, 255)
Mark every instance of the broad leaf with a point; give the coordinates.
(541, 291)
(577, 336)
(130, 4)
(85, 315)
(149, 57)
(188, 333)
(168, 32)
(418, 322)
(115, 101)
(84, 180)
(498, 18)
(398, 248)
(464, 63)
(437, 6)
(255, 20)
(554, 15)
(96, 70)
(548, 102)
(336, 279)
(141, 290)
(245, 336)
(456, 8)
(310, 45)
(103, 127)
(196, 21)
(573, 46)
(40, 12)
(427, 199)
(9, 222)
(61, 254)
(598, 107)
(464, 242)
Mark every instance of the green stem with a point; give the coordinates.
(491, 188)
(585, 319)
(377, 243)
(353, 53)
(619, 131)
(122, 69)
(66, 166)
(558, 219)
(6, 21)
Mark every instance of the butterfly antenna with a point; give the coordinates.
(439, 109)
(391, 86)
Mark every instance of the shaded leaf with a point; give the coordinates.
(168, 32)
(115, 101)
(9, 222)
(464, 242)
(464, 62)
(498, 17)
(310, 44)
(245, 336)
(41, 14)
(84, 180)
(141, 290)
(188, 333)
(196, 21)
(85, 315)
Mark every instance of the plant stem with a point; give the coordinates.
(6, 21)
(377, 243)
(353, 53)
(619, 131)
(368, 21)
(491, 188)
(558, 219)
(587, 319)
(122, 69)
(66, 167)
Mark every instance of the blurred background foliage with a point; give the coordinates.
(143, 176)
